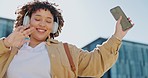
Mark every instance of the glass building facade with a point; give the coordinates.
(6, 26)
(132, 61)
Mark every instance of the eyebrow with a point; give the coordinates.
(40, 16)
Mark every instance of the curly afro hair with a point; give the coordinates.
(32, 7)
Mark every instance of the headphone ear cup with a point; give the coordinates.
(55, 27)
(26, 20)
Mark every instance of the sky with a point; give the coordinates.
(87, 20)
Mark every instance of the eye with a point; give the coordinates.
(37, 19)
(48, 21)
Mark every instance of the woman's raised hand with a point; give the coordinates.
(119, 33)
(17, 38)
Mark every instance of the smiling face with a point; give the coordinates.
(42, 21)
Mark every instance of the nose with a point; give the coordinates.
(42, 23)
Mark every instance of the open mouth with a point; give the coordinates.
(41, 30)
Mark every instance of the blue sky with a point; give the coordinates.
(87, 20)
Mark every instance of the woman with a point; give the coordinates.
(43, 57)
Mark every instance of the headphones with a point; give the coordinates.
(26, 21)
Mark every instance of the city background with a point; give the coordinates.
(88, 23)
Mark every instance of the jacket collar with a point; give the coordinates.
(48, 42)
(52, 41)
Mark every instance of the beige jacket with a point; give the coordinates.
(88, 64)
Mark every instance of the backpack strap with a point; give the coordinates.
(69, 57)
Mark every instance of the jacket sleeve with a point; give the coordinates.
(98, 61)
(3, 49)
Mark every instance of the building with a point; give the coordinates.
(6, 26)
(132, 61)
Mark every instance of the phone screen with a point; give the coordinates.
(117, 12)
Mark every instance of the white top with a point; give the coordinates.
(30, 63)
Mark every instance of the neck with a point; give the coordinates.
(33, 43)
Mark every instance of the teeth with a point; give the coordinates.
(40, 30)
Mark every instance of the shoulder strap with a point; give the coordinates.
(69, 57)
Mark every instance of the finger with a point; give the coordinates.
(130, 21)
(133, 24)
(18, 28)
(128, 18)
(28, 25)
(31, 31)
(120, 18)
(24, 28)
(18, 35)
(21, 36)
(28, 31)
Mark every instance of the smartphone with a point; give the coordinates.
(117, 12)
